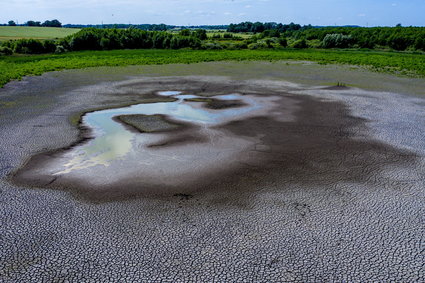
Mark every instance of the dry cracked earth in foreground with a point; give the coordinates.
(330, 188)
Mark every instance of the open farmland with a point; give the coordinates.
(18, 32)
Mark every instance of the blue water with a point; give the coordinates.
(113, 141)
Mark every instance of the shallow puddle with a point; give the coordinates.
(113, 142)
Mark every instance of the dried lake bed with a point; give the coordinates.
(282, 178)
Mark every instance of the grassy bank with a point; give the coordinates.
(17, 32)
(15, 67)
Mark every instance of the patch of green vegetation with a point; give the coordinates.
(15, 67)
(18, 32)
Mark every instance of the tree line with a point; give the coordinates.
(281, 36)
(150, 27)
(258, 27)
(397, 38)
(108, 39)
(48, 23)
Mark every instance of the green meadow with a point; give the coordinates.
(16, 66)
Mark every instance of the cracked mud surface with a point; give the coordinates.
(331, 189)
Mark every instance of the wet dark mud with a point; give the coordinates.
(148, 123)
(322, 144)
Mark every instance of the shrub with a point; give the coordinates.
(398, 42)
(185, 32)
(201, 34)
(60, 49)
(302, 43)
(86, 39)
(270, 33)
(4, 50)
(268, 42)
(49, 46)
(29, 46)
(420, 43)
(241, 45)
(257, 45)
(283, 42)
(337, 40)
(211, 46)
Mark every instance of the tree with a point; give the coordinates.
(185, 32)
(201, 34)
(399, 42)
(283, 42)
(52, 23)
(11, 23)
(257, 27)
(33, 24)
(420, 43)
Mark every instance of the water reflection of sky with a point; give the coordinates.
(112, 141)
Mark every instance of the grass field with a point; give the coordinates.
(15, 67)
(7, 33)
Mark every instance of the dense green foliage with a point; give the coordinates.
(53, 23)
(30, 46)
(150, 27)
(108, 39)
(337, 40)
(397, 38)
(260, 27)
(267, 35)
(15, 67)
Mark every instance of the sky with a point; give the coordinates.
(217, 12)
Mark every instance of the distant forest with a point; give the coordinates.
(260, 27)
(53, 23)
(397, 38)
(148, 27)
(245, 35)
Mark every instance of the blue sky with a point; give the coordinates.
(197, 12)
